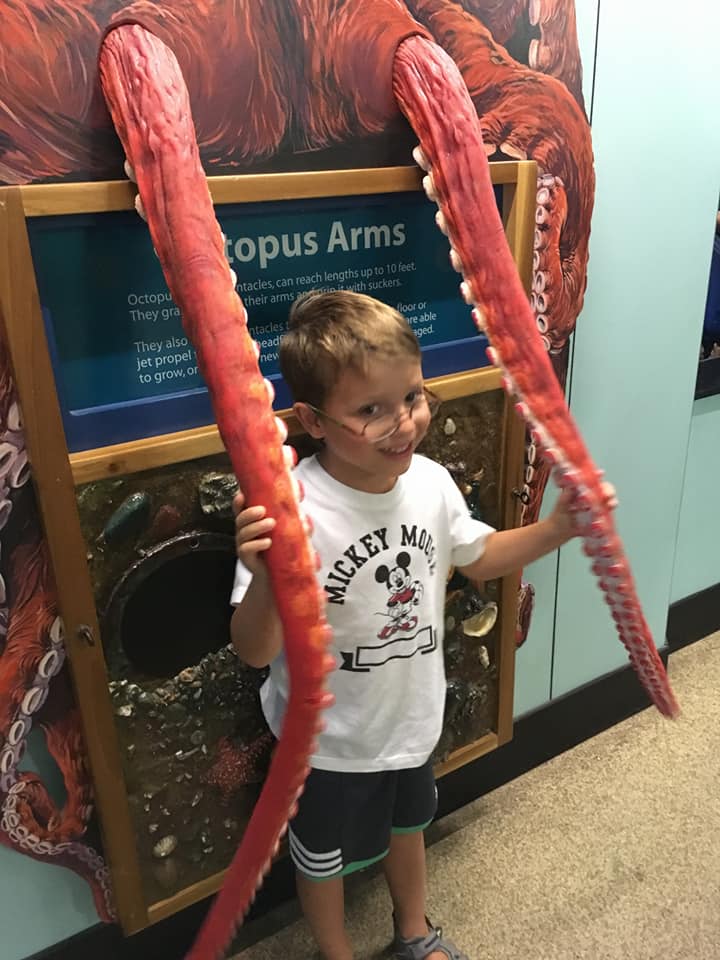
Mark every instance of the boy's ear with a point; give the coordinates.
(309, 420)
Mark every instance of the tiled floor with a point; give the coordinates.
(608, 852)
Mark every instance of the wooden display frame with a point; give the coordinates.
(56, 473)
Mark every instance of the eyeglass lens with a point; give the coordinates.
(384, 426)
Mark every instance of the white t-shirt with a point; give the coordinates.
(385, 560)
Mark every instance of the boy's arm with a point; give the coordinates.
(510, 550)
(255, 627)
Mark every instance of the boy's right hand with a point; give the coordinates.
(252, 529)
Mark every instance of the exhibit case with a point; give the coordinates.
(135, 488)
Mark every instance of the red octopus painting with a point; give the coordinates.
(281, 85)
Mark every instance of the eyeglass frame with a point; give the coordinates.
(432, 399)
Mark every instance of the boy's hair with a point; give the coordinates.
(331, 331)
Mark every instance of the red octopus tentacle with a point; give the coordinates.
(234, 67)
(24, 830)
(148, 101)
(556, 52)
(30, 622)
(65, 744)
(432, 94)
(527, 115)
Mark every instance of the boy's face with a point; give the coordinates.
(389, 387)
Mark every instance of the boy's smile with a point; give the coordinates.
(390, 391)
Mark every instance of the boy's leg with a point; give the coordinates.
(405, 873)
(342, 824)
(405, 870)
(323, 906)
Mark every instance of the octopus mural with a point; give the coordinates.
(34, 685)
(275, 86)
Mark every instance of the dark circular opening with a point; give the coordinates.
(179, 613)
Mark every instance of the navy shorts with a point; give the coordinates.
(345, 820)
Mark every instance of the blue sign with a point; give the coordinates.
(123, 366)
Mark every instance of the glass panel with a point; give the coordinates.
(193, 741)
(466, 437)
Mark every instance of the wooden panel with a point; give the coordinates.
(519, 204)
(123, 458)
(466, 754)
(55, 473)
(519, 212)
(45, 440)
(137, 455)
(511, 478)
(464, 384)
(198, 891)
(41, 200)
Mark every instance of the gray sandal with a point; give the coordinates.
(418, 948)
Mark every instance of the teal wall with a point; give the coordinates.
(637, 343)
(697, 555)
(534, 660)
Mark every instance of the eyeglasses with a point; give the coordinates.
(384, 425)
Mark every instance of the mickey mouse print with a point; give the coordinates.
(400, 633)
(404, 595)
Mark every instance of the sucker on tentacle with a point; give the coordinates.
(433, 96)
(149, 104)
(526, 115)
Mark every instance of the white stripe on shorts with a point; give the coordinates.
(314, 864)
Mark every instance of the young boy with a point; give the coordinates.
(388, 525)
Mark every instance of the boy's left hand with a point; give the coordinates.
(563, 517)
